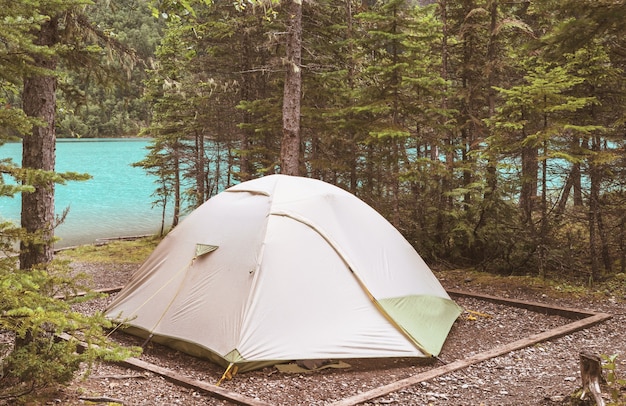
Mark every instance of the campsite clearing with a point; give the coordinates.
(543, 374)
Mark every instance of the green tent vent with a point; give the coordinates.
(202, 249)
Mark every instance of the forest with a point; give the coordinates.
(489, 132)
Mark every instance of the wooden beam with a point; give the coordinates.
(102, 290)
(179, 379)
(567, 312)
(182, 380)
(477, 358)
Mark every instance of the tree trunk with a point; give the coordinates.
(572, 182)
(39, 101)
(247, 94)
(200, 164)
(352, 136)
(607, 261)
(492, 55)
(177, 185)
(543, 231)
(594, 209)
(596, 180)
(290, 147)
(530, 172)
(448, 141)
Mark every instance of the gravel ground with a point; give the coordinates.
(542, 374)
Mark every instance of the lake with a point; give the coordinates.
(116, 202)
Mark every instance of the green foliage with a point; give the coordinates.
(445, 120)
(135, 251)
(33, 317)
(457, 124)
(33, 314)
(105, 100)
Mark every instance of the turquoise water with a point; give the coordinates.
(117, 200)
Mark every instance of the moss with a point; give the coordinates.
(611, 287)
(119, 251)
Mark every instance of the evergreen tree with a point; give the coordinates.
(59, 33)
(30, 280)
(451, 120)
(334, 126)
(106, 102)
(537, 116)
(400, 94)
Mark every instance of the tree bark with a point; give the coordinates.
(290, 146)
(530, 173)
(38, 152)
(595, 177)
(177, 185)
(247, 93)
(448, 140)
(492, 173)
(572, 182)
(200, 164)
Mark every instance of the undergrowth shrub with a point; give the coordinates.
(44, 339)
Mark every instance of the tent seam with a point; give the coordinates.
(344, 258)
(256, 271)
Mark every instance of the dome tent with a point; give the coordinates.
(285, 268)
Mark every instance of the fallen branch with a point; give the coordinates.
(100, 399)
(132, 376)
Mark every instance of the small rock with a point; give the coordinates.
(557, 398)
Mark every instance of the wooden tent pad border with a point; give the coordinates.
(180, 379)
(583, 319)
(200, 386)
(566, 312)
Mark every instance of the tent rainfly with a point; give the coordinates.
(286, 268)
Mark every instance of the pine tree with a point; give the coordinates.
(536, 114)
(333, 124)
(290, 145)
(29, 311)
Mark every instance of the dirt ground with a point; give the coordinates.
(542, 374)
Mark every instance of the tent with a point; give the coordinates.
(286, 268)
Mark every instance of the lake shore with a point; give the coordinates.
(117, 201)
